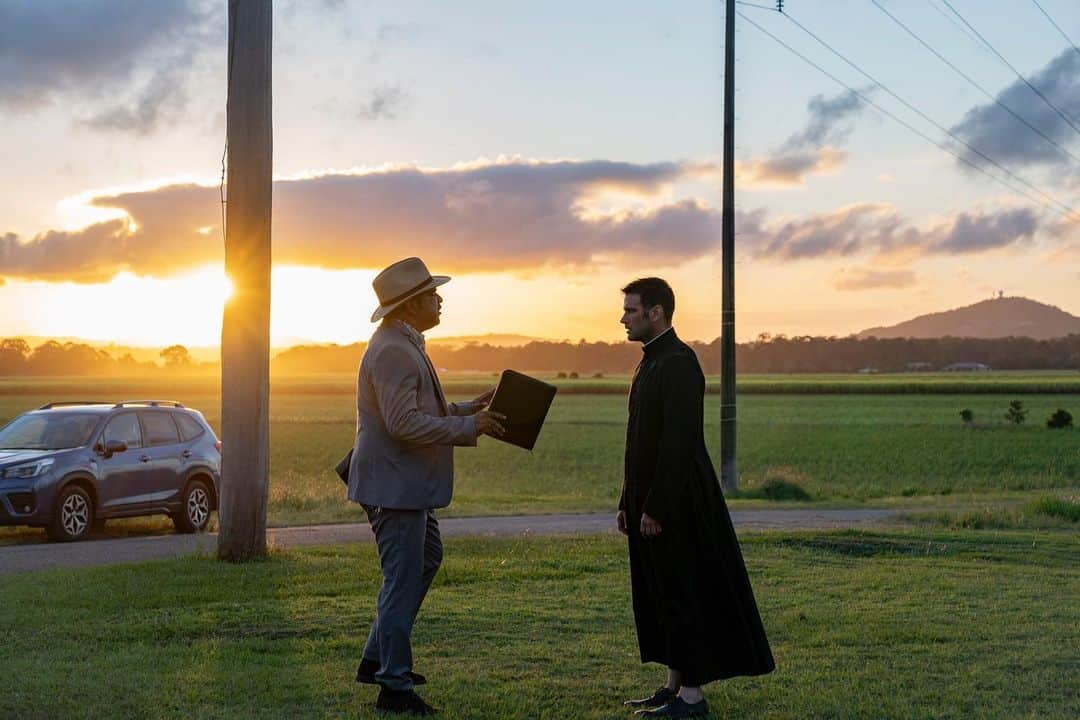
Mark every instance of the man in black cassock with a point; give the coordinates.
(693, 604)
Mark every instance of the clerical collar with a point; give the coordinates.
(410, 332)
(657, 343)
(670, 328)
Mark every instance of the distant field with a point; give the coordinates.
(1048, 382)
(842, 449)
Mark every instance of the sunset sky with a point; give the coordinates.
(543, 154)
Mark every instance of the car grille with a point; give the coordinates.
(22, 502)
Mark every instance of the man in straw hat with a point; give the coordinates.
(403, 467)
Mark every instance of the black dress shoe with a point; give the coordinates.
(678, 708)
(662, 696)
(402, 701)
(366, 673)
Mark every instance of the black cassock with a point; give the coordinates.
(693, 604)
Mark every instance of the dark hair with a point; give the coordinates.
(653, 292)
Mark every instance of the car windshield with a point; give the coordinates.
(48, 431)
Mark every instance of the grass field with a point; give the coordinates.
(841, 449)
(1022, 382)
(940, 624)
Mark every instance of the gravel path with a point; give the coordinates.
(44, 556)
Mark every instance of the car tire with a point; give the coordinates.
(194, 513)
(73, 517)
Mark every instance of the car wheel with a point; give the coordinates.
(194, 515)
(74, 515)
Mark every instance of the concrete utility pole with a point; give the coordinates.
(245, 333)
(729, 473)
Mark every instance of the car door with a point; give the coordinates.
(124, 475)
(166, 454)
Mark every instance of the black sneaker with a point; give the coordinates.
(366, 673)
(402, 701)
(662, 696)
(678, 708)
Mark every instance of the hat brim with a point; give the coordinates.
(384, 310)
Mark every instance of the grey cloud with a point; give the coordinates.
(162, 98)
(1001, 136)
(847, 231)
(385, 102)
(807, 151)
(871, 228)
(106, 55)
(825, 125)
(976, 233)
(872, 279)
(512, 215)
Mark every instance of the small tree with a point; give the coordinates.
(967, 416)
(1060, 420)
(176, 356)
(1016, 414)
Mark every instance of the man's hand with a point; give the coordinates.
(649, 527)
(620, 522)
(490, 423)
(483, 400)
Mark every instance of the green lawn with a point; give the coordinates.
(889, 449)
(939, 624)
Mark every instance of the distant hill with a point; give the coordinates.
(996, 318)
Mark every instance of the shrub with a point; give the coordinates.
(1016, 413)
(573, 376)
(561, 376)
(1067, 508)
(967, 416)
(1060, 419)
(598, 375)
(780, 489)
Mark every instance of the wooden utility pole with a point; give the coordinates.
(245, 332)
(729, 473)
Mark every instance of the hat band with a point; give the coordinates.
(405, 294)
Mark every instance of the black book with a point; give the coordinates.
(525, 402)
(342, 468)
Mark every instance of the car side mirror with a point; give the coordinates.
(112, 447)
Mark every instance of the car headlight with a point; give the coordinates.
(27, 470)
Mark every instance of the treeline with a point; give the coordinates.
(767, 354)
(805, 354)
(53, 358)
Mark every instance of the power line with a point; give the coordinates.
(1015, 71)
(1061, 207)
(962, 74)
(961, 28)
(927, 118)
(1067, 38)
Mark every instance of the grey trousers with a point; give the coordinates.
(410, 552)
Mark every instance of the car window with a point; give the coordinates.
(48, 431)
(125, 428)
(160, 429)
(189, 426)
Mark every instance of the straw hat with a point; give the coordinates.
(401, 281)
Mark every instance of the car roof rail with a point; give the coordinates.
(151, 403)
(64, 403)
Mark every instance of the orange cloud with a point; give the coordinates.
(789, 169)
(506, 215)
(873, 279)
